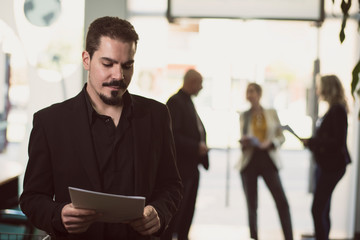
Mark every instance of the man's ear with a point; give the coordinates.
(86, 60)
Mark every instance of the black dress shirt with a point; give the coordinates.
(114, 153)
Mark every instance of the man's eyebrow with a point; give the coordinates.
(128, 62)
(114, 61)
(109, 59)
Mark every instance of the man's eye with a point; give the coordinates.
(127, 66)
(107, 64)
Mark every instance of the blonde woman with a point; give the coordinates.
(328, 146)
(261, 137)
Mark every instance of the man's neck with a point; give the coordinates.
(186, 91)
(113, 111)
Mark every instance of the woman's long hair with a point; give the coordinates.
(332, 91)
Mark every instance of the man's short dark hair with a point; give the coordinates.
(112, 27)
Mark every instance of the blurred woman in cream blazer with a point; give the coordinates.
(261, 137)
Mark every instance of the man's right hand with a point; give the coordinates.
(77, 220)
(203, 149)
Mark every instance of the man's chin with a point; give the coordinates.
(112, 100)
(117, 93)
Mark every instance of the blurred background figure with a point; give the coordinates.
(261, 137)
(329, 148)
(191, 150)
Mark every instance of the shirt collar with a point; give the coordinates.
(128, 105)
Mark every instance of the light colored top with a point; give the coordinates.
(273, 133)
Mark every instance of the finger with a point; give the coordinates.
(82, 219)
(80, 212)
(147, 225)
(78, 218)
(73, 225)
(148, 215)
(142, 223)
(149, 231)
(78, 224)
(148, 228)
(76, 227)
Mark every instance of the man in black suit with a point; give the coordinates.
(191, 150)
(104, 139)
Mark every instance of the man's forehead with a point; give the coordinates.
(104, 39)
(107, 47)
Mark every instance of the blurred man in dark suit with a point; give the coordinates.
(191, 150)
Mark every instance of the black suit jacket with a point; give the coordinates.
(61, 154)
(186, 134)
(329, 143)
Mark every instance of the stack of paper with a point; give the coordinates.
(115, 208)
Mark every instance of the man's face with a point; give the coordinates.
(110, 70)
(197, 86)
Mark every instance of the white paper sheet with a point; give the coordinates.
(115, 208)
(287, 127)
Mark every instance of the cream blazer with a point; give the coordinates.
(274, 134)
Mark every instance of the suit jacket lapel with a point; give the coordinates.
(83, 142)
(141, 123)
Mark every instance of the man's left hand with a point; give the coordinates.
(203, 149)
(149, 223)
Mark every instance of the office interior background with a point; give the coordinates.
(40, 64)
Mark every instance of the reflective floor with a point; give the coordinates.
(221, 211)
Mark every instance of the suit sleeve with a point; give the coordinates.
(242, 124)
(36, 200)
(168, 190)
(184, 142)
(279, 138)
(332, 133)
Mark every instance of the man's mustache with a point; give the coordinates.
(115, 83)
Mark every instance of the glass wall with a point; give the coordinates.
(229, 54)
(279, 55)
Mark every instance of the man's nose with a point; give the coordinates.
(118, 73)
